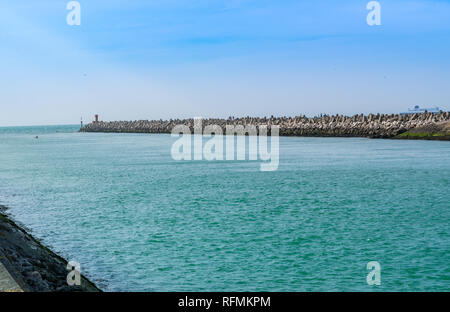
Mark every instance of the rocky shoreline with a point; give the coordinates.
(33, 266)
(371, 126)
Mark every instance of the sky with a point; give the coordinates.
(162, 59)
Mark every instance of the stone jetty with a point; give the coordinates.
(372, 125)
(27, 265)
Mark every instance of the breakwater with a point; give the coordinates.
(372, 125)
(33, 266)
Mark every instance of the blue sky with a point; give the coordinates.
(171, 58)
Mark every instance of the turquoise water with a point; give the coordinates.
(137, 220)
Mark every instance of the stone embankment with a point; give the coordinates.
(27, 265)
(373, 126)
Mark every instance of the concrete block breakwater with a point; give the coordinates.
(372, 125)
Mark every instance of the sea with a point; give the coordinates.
(138, 220)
